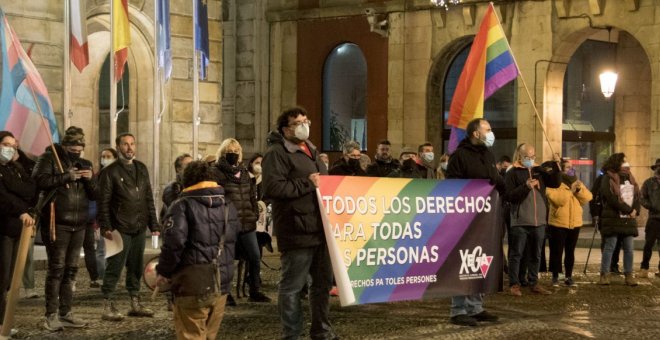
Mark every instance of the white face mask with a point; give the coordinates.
(256, 169)
(302, 131)
(490, 139)
(106, 161)
(428, 157)
(443, 166)
(7, 153)
(625, 165)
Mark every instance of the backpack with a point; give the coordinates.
(596, 204)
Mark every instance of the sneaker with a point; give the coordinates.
(94, 284)
(555, 281)
(486, 316)
(53, 323)
(463, 320)
(538, 289)
(71, 321)
(230, 301)
(515, 290)
(630, 280)
(604, 279)
(569, 282)
(334, 291)
(73, 286)
(643, 273)
(31, 293)
(258, 297)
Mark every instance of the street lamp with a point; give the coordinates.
(608, 78)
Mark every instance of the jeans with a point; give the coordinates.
(296, 265)
(521, 236)
(614, 264)
(562, 240)
(248, 242)
(610, 243)
(8, 251)
(63, 256)
(90, 253)
(466, 304)
(100, 257)
(28, 273)
(131, 257)
(652, 237)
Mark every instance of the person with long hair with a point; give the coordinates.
(621, 203)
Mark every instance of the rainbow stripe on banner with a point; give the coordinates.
(393, 239)
(489, 66)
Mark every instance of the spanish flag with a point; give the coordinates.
(489, 66)
(121, 35)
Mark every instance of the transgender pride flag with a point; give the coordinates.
(489, 66)
(21, 84)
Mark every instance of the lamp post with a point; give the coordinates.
(608, 78)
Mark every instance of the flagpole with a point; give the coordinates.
(195, 116)
(156, 105)
(522, 78)
(66, 110)
(113, 85)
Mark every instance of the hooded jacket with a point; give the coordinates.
(72, 197)
(17, 193)
(530, 208)
(193, 227)
(296, 215)
(566, 207)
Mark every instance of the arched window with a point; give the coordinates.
(344, 97)
(499, 108)
(104, 104)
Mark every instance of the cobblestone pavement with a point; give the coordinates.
(586, 311)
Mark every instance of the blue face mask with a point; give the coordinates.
(528, 163)
(570, 172)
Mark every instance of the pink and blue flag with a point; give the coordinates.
(23, 96)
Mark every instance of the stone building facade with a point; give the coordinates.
(268, 55)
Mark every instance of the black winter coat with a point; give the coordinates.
(650, 198)
(17, 196)
(381, 168)
(342, 168)
(242, 192)
(126, 202)
(611, 222)
(471, 161)
(296, 215)
(71, 197)
(193, 226)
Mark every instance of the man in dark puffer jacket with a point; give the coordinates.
(291, 175)
(194, 226)
(74, 188)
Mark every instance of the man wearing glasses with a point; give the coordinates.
(525, 190)
(291, 174)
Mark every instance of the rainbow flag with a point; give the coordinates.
(393, 239)
(121, 35)
(489, 66)
(21, 84)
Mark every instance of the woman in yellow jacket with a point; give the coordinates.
(565, 220)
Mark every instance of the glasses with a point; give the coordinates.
(306, 121)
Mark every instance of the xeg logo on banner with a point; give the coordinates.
(474, 264)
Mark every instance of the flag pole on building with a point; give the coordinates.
(195, 116)
(66, 109)
(113, 85)
(156, 103)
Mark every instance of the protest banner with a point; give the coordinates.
(394, 239)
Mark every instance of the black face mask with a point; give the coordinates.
(232, 158)
(354, 163)
(74, 156)
(409, 163)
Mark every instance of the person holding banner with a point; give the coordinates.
(291, 176)
(17, 193)
(474, 160)
(526, 184)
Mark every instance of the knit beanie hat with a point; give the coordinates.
(73, 136)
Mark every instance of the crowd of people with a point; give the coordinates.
(213, 214)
